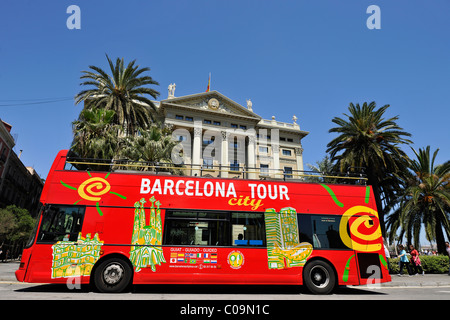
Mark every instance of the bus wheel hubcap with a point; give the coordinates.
(320, 276)
(113, 274)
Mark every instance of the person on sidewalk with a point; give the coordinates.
(403, 260)
(416, 265)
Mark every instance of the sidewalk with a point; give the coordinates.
(427, 280)
(7, 270)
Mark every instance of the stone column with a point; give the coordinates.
(299, 159)
(224, 155)
(276, 173)
(197, 149)
(251, 160)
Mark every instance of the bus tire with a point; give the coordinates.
(113, 275)
(319, 277)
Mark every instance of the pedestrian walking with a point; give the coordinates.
(416, 265)
(403, 260)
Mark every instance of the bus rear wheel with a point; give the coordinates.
(113, 275)
(319, 277)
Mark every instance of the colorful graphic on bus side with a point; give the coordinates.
(359, 229)
(72, 259)
(235, 259)
(146, 250)
(93, 189)
(283, 247)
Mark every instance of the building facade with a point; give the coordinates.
(221, 138)
(6, 145)
(19, 185)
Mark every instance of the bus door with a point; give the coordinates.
(364, 235)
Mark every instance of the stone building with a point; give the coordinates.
(221, 138)
(19, 185)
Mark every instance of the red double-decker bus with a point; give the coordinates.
(113, 229)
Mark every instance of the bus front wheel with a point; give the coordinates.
(113, 275)
(319, 277)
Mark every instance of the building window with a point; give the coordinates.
(282, 139)
(234, 145)
(216, 123)
(189, 119)
(264, 169)
(263, 149)
(288, 172)
(234, 125)
(207, 142)
(234, 166)
(207, 121)
(178, 117)
(290, 140)
(287, 152)
(181, 138)
(243, 127)
(207, 163)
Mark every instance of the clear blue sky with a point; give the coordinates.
(308, 58)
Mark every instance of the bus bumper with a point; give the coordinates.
(22, 271)
(20, 274)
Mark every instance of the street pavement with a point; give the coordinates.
(7, 270)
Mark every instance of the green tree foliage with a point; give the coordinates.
(322, 168)
(424, 201)
(152, 145)
(430, 264)
(118, 119)
(16, 224)
(95, 134)
(366, 139)
(125, 92)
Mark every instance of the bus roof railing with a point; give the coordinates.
(214, 171)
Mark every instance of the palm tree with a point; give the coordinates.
(426, 200)
(152, 146)
(323, 167)
(367, 140)
(123, 91)
(95, 134)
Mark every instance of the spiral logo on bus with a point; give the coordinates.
(93, 189)
(360, 229)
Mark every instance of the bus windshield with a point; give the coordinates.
(61, 222)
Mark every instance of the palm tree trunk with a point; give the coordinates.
(376, 192)
(440, 240)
